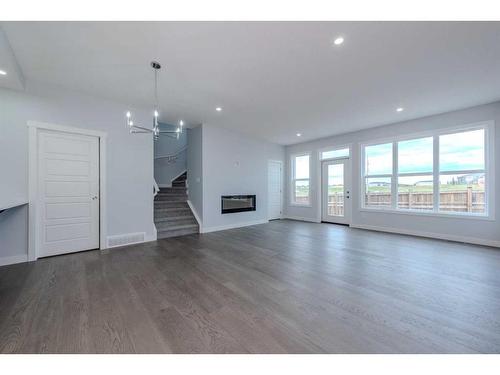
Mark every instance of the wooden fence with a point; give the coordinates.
(451, 201)
(455, 201)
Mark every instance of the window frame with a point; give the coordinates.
(364, 176)
(293, 180)
(335, 148)
(489, 171)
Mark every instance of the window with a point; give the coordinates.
(338, 153)
(300, 180)
(378, 175)
(462, 173)
(442, 173)
(415, 174)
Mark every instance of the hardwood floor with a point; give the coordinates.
(282, 287)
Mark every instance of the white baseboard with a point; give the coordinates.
(448, 237)
(298, 218)
(5, 261)
(154, 236)
(195, 213)
(232, 226)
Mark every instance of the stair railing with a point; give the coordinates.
(173, 157)
(156, 188)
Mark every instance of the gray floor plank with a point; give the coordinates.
(281, 287)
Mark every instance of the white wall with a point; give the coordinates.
(234, 163)
(14, 235)
(195, 170)
(129, 157)
(480, 231)
(164, 171)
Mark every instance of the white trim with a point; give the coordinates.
(449, 215)
(164, 185)
(33, 128)
(66, 129)
(14, 259)
(195, 213)
(232, 226)
(299, 218)
(301, 205)
(282, 185)
(439, 236)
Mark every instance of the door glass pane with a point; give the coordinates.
(462, 193)
(378, 192)
(302, 192)
(415, 155)
(415, 192)
(378, 159)
(336, 190)
(461, 151)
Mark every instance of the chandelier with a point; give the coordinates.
(134, 129)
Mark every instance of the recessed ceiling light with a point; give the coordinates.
(3, 73)
(218, 109)
(299, 134)
(400, 109)
(338, 41)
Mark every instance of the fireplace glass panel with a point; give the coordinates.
(237, 203)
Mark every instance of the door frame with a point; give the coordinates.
(349, 184)
(34, 127)
(281, 187)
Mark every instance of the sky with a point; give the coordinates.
(459, 151)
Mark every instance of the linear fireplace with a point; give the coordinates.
(237, 203)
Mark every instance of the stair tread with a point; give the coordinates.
(168, 209)
(177, 227)
(167, 195)
(168, 225)
(174, 218)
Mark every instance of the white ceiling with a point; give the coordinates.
(273, 79)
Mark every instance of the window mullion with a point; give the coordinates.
(435, 174)
(394, 177)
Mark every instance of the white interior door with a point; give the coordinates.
(335, 189)
(68, 193)
(274, 190)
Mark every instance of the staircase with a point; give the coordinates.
(173, 217)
